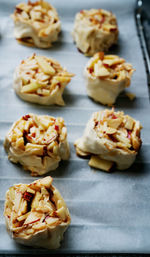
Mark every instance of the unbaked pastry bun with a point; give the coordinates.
(38, 143)
(36, 214)
(106, 77)
(95, 30)
(110, 138)
(36, 24)
(41, 80)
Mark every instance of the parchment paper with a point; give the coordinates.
(110, 212)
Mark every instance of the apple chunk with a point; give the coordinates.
(98, 163)
(100, 71)
(32, 87)
(45, 66)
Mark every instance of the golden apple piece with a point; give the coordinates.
(20, 143)
(129, 122)
(95, 60)
(136, 143)
(114, 123)
(111, 62)
(11, 193)
(51, 221)
(110, 27)
(17, 201)
(45, 5)
(124, 140)
(23, 7)
(24, 80)
(100, 71)
(29, 190)
(101, 164)
(34, 148)
(23, 207)
(36, 199)
(32, 87)
(23, 217)
(32, 217)
(62, 79)
(45, 66)
(110, 56)
(110, 131)
(61, 213)
(47, 181)
(45, 123)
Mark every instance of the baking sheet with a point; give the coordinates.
(110, 212)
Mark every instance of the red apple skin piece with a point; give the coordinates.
(105, 65)
(56, 127)
(90, 70)
(27, 196)
(26, 117)
(82, 11)
(129, 134)
(113, 29)
(101, 55)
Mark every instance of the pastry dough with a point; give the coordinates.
(111, 136)
(38, 143)
(106, 77)
(36, 24)
(36, 214)
(41, 80)
(95, 30)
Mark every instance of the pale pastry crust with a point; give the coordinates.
(41, 80)
(38, 143)
(36, 24)
(95, 30)
(111, 136)
(106, 77)
(36, 214)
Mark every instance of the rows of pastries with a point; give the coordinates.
(36, 214)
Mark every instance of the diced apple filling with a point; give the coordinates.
(45, 66)
(118, 129)
(100, 18)
(109, 67)
(41, 75)
(30, 88)
(38, 135)
(97, 162)
(100, 71)
(35, 206)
